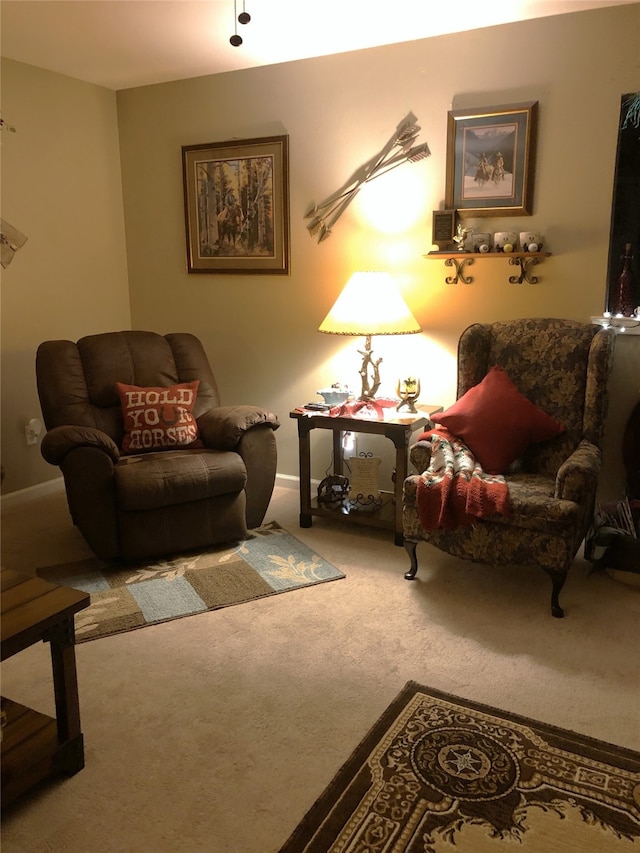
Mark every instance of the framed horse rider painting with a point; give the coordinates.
(236, 201)
(491, 160)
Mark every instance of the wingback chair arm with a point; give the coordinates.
(223, 427)
(61, 440)
(578, 475)
(420, 455)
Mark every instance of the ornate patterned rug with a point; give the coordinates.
(129, 596)
(437, 773)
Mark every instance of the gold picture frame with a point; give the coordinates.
(491, 160)
(236, 201)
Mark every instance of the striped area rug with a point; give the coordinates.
(129, 596)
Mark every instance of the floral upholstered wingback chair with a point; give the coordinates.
(562, 367)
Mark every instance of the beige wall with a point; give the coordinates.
(260, 331)
(61, 186)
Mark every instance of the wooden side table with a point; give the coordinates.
(397, 429)
(35, 746)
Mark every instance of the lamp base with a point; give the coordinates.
(369, 372)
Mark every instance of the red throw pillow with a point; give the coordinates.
(497, 422)
(158, 418)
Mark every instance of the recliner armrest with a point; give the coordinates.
(579, 473)
(61, 440)
(223, 427)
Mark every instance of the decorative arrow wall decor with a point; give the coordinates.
(399, 149)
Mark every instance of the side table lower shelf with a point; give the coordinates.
(31, 750)
(383, 517)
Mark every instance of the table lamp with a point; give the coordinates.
(370, 304)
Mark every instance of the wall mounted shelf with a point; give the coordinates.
(460, 260)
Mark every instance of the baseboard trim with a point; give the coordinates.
(23, 496)
(287, 481)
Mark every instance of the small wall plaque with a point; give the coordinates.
(444, 227)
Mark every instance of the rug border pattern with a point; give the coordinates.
(320, 824)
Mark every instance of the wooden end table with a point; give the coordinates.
(398, 428)
(35, 746)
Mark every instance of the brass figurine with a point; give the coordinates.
(461, 235)
(408, 391)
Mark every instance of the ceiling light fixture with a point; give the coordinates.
(244, 17)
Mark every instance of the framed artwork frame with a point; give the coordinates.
(491, 160)
(236, 202)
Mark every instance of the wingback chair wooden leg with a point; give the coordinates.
(557, 579)
(410, 548)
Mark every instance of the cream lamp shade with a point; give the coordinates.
(370, 304)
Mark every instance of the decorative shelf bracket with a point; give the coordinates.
(459, 260)
(459, 265)
(524, 263)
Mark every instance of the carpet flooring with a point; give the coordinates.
(216, 733)
(440, 773)
(129, 596)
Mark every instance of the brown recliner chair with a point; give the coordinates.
(140, 505)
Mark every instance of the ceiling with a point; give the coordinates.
(120, 44)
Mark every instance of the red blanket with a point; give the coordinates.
(454, 490)
(370, 410)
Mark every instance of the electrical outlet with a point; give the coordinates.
(32, 431)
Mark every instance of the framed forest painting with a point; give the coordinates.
(236, 200)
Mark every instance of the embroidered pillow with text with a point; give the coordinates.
(159, 418)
